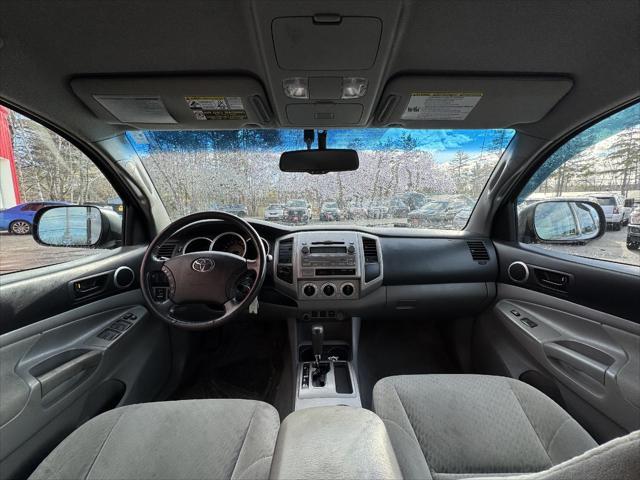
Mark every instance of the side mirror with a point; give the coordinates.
(77, 226)
(561, 221)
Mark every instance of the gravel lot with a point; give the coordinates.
(22, 252)
(611, 246)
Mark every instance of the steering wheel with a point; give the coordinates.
(208, 287)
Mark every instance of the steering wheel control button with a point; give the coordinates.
(170, 280)
(328, 289)
(160, 294)
(309, 290)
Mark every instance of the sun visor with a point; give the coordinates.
(468, 102)
(180, 103)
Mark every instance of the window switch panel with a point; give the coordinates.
(109, 334)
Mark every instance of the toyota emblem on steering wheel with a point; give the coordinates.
(203, 265)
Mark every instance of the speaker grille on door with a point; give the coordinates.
(123, 277)
(518, 272)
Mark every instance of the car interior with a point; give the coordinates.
(274, 334)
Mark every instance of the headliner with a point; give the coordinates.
(46, 44)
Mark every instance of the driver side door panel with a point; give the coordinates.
(59, 368)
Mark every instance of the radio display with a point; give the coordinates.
(341, 249)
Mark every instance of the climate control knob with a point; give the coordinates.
(309, 290)
(347, 289)
(328, 290)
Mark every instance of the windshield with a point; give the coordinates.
(400, 172)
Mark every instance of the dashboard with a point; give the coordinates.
(332, 273)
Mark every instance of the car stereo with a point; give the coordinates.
(328, 258)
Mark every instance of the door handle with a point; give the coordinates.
(552, 279)
(57, 376)
(577, 360)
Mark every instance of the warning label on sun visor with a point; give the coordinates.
(217, 108)
(441, 105)
(135, 109)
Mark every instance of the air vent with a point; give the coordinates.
(370, 250)
(166, 249)
(372, 269)
(478, 251)
(284, 270)
(285, 251)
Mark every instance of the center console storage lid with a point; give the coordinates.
(334, 442)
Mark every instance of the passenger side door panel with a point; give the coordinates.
(582, 335)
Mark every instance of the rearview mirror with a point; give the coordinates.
(560, 221)
(319, 161)
(77, 226)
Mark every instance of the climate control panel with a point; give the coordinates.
(322, 290)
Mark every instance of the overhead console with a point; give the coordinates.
(326, 42)
(320, 266)
(434, 101)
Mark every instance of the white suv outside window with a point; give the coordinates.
(614, 210)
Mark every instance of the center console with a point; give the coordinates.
(334, 442)
(327, 379)
(328, 273)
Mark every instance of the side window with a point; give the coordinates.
(600, 165)
(38, 168)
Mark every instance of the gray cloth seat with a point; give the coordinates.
(461, 426)
(189, 439)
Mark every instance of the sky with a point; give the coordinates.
(442, 143)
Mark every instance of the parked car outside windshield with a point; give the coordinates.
(18, 220)
(274, 212)
(400, 171)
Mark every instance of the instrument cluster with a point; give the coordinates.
(229, 242)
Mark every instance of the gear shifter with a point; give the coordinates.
(317, 337)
